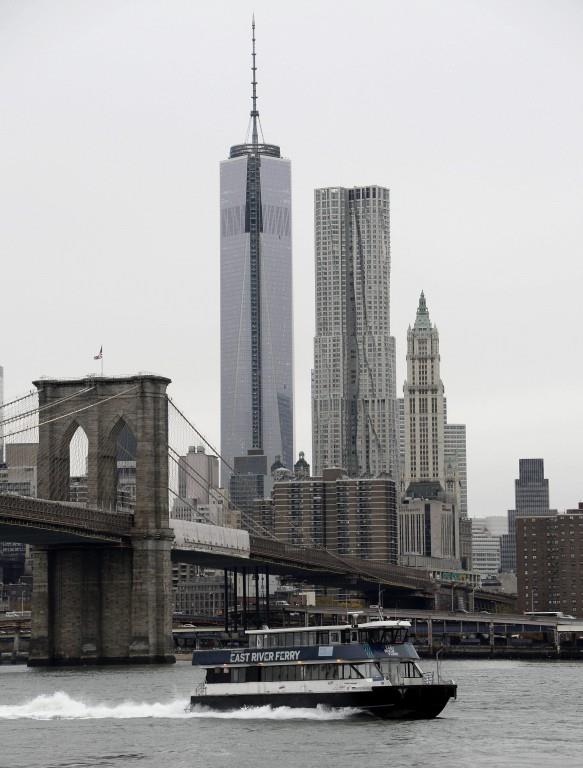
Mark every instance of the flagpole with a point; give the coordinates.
(102, 365)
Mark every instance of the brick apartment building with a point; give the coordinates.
(549, 562)
(350, 516)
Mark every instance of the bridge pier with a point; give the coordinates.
(102, 606)
(105, 603)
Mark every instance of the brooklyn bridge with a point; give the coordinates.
(102, 578)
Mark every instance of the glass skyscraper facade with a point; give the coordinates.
(256, 302)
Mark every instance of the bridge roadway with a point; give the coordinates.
(45, 523)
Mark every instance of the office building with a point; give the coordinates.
(454, 450)
(256, 300)
(531, 497)
(250, 481)
(429, 531)
(353, 384)
(197, 591)
(429, 511)
(198, 475)
(549, 549)
(424, 404)
(485, 549)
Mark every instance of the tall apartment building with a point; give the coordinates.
(351, 516)
(531, 497)
(256, 300)
(549, 562)
(424, 403)
(353, 384)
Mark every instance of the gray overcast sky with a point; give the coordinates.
(114, 116)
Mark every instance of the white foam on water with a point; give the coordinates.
(61, 706)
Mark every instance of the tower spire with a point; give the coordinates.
(254, 111)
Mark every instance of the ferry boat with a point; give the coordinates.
(371, 667)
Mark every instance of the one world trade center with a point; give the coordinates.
(256, 304)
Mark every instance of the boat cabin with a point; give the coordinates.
(387, 632)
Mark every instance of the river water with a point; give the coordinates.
(507, 714)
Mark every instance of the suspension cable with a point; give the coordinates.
(202, 437)
(72, 413)
(245, 517)
(18, 399)
(38, 409)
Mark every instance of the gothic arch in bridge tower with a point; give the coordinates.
(77, 469)
(123, 457)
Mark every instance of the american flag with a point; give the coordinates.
(99, 356)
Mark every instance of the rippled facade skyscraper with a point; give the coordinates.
(256, 301)
(353, 383)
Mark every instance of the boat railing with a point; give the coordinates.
(200, 689)
(428, 678)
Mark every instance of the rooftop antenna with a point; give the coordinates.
(254, 112)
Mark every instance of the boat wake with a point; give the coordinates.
(61, 706)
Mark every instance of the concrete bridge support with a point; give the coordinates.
(102, 603)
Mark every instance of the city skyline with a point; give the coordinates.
(124, 224)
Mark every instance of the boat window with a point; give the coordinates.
(351, 672)
(281, 673)
(334, 637)
(409, 669)
(218, 675)
(312, 671)
(354, 637)
(322, 671)
(332, 671)
(238, 675)
(322, 638)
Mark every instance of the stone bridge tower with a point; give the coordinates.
(108, 603)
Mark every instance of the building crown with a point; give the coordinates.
(422, 321)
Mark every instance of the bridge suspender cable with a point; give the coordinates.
(72, 413)
(350, 566)
(202, 437)
(24, 414)
(188, 470)
(18, 399)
